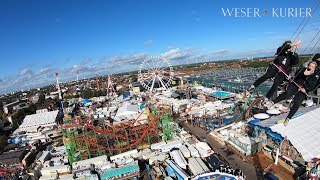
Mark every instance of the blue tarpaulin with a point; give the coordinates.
(254, 122)
(126, 95)
(228, 120)
(170, 171)
(268, 131)
(221, 93)
(142, 106)
(85, 101)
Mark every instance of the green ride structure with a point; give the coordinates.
(83, 140)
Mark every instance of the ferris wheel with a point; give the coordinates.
(155, 72)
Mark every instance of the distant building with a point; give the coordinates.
(19, 104)
(34, 98)
(32, 122)
(131, 170)
(8, 108)
(52, 96)
(118, 87)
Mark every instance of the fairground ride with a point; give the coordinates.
(83, 140)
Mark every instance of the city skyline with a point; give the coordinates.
(107, 37)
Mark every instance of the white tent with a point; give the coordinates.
(127, 112)
(32, 122)
(304, 134)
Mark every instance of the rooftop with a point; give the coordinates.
(12, 154)
(304, 134)
(303, 131)
(31, 122)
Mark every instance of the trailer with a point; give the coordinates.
(203, 166)
(179, 159)
(178, 171)
(194, 167)
(193, 151)
(203, 149)
(185, 152)
(170, 145)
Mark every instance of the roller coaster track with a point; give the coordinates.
(144, 134)
(150, 126)
(8, 170)
(102, 131)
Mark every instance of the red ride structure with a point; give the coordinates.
(7, 173)
(83, 140)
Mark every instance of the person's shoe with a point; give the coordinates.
(251, 88)
(247, 93)
(266, 101)
(286, 122)
(269, 104)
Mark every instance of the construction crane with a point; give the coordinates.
(77, 74)
(59, 91)
(110, 88)
(97, 81)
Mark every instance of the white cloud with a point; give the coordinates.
(42, 71)
(17, 80)
(148, 42)
(176, 54)
(260, 51)
(25, 71)
(129, 59)
(222, 51)
(86, 61)
(77, 68)
(190, 55)
(270, 33)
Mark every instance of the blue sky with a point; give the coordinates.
(38, 38)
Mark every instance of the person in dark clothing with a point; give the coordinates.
(285, 59)
(316, 58)
(307, 79)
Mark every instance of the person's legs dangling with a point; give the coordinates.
(291, 90)
(278, 80)
(271, 72)
(297, 101)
